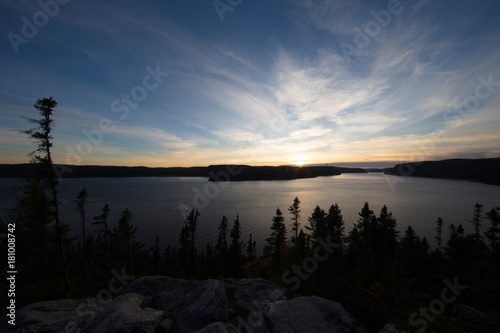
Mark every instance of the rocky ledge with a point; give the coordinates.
(164, 304)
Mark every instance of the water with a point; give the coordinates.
(160, 204)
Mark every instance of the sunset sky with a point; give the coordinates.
(184, 83)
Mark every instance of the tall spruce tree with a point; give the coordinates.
(221, 245)
(124, 239)
(235, 247)
(335, 224)
(294, 209)
(187, 251)
(317, 224)
(439, 237)
(365, 224)
(476, 221)
(103, 220)
(250, 249)
(493, 232)
(387, 234)
(277, 237)
(42, 158)
(81, 202)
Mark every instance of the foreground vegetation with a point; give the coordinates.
(376, 272)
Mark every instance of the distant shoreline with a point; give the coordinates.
(485, 170)
(213, 172)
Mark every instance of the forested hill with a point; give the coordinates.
(219, 172)
(245, 172)
(486, 170)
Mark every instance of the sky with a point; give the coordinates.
(193, 83)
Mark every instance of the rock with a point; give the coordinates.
(247, 300)
(184, 300)
(246, 295)
(163, 304)
(218, 327)
(125, 314)
(206, 303)
(49, 316)
(389, 328)
(308, 314)
(151, 285)
(166, 326)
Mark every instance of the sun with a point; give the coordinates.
(299, 160)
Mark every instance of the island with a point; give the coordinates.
(237, 172)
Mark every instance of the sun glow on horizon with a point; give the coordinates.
(299, 160)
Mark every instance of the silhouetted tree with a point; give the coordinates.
(493, 232)
(363, 251)
(294, 209)
(42, 157)
(411, 252)
(459, 249)
(221, 245)
(235, 247)
(250, 248)
(35, 239)
(81, 201)
(476, 221)
(317, 224)
(209, 269)
(156, 256)
(124, 239)
(335, 224)
(303, 242)
(187, 251)
(362, 230)
(366, 224)
(439, 229)
(277, 237)
(103, 220)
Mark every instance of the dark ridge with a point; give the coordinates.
(485, 170)
(246, 172)
(92, 171)
(236, 173)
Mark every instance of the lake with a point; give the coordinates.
(160, 204)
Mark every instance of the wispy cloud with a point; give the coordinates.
(235, 93)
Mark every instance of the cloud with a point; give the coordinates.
(336, 17)
(310, 132)
(154, 136)
(235, 94)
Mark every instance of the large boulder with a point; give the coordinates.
(163, 304)
(126, 313)
(308, 314)
(49, 316)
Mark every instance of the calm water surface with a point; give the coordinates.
(160, 204)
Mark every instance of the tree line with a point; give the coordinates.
(379, 273)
